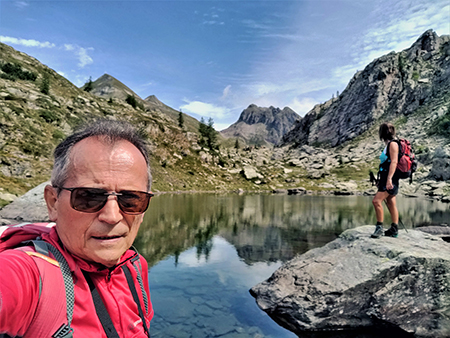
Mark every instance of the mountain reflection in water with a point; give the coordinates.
(206, 251)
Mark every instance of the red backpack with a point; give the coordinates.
(407, 163)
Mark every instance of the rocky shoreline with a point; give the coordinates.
(359, 282)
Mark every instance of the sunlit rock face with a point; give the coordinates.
(261, 125)
(394, 85)
(356, 281)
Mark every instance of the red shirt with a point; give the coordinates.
(19, 294)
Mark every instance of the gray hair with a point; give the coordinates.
(108, 131)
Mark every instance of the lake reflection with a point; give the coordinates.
(206, 251)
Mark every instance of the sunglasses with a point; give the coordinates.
(91, 200)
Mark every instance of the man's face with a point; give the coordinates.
(102, 236)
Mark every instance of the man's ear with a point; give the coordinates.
(51, 198)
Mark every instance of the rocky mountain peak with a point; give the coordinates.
(254, 114)
(428, 41)
(108, 87)
(260, 125)
(153, 99)
(106, 78)
(392, 86)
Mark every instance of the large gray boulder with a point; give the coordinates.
(29, 207)
(441, 165)
(356, 281)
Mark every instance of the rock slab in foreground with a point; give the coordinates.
(356, 281)
(29, 207)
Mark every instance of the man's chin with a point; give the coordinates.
(107, 257)
(108, 261)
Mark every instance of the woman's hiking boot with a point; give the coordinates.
(378, 231)
(392, 231)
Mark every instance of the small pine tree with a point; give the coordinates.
(131, 100)
(203, 130)
(88, 86)
(212, 136)
(45, 84)
(236, 144)
(180, 120)
(208, 135)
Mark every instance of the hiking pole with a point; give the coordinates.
(399, 219)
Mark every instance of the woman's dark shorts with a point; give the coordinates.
(383, 180)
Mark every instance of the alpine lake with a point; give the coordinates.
(205, 251)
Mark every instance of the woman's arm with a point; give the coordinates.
(393, 156)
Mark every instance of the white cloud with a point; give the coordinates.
(26, 42)
(205, 109)
(83, 57)
(69, 47)
(284, 87)
(221, 252)
(302, 106)
(80, 52)
(394, 30)
(21, 4)
(290, 37)
(399, 28)
(256, 25)
(221, 126)
(226, 92)
(212, 18)
(342, 75)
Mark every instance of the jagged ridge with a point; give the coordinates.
(397, 84)
(259, 125)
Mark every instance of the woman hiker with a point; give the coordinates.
(388, 182)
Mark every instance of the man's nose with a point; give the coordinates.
(111, 212)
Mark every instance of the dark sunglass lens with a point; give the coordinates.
(88, 199)
(133, 202)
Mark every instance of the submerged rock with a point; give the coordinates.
(356, 281)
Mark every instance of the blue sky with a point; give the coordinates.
(215, 58)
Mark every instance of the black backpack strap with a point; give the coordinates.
(100, 308)
(130, 282)
(65, 331)
(138, 270)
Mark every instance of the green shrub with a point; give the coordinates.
(88, 86)
(12, 71)
(131, 100)
(58, 134)
(45, 85)
(180, 120)
(49, 116)
(31, 149)
(441, 126)
(421, 149)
